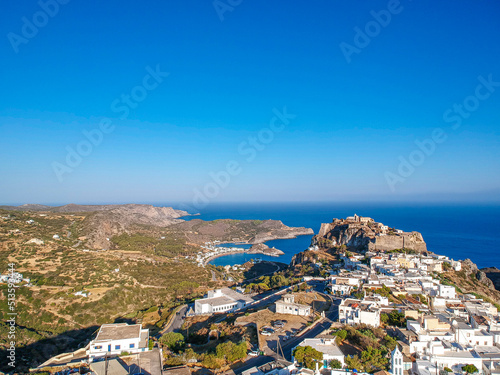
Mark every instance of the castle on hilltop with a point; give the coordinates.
(360, 219)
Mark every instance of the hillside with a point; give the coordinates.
(121, 284)
(471, 280)
(147, 270)
(100, 226)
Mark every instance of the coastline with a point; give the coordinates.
(208, 260)
(246, 251)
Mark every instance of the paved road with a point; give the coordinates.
(176, 322)
(178, 319)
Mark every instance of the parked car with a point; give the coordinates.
(254, 353)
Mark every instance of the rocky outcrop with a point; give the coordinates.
(362, 237)
(493, 274)
(266, 250)
(470, 269)
(303, 257)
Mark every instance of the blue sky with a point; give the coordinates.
(355, 122)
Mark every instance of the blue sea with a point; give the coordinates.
(461, 231)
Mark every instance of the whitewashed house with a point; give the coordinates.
(221, 301)
(113, 339)
(447, 291)
(354, 311)
(287, 305)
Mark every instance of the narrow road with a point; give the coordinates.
(176, 322)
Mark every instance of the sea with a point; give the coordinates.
(457, 231)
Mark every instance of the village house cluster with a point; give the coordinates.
(444, 331)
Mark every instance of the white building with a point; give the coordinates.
(465, 334)
(287, 305)
(113, 339)
(277, 367)
(340, 289)
(221, 301)
(328, 347)
(354, 311)
(447, 291)
(397, 366)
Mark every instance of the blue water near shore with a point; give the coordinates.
(459, 232)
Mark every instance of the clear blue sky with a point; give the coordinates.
(353, 120)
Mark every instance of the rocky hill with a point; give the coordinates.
(472, 280)
(363, 236)
(100, 226)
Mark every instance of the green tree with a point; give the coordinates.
(307, 356)
(230, 351)
(470, 369)
(173, 340)
(389, 342)
(384, 318)
(447, 369)
(373, 360)
(277, 281)
(353, 362)
(394, 318)
(335, 364)
(341, 335)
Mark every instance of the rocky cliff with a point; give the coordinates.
(493, 274)
(471, 270)
(361, 237)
